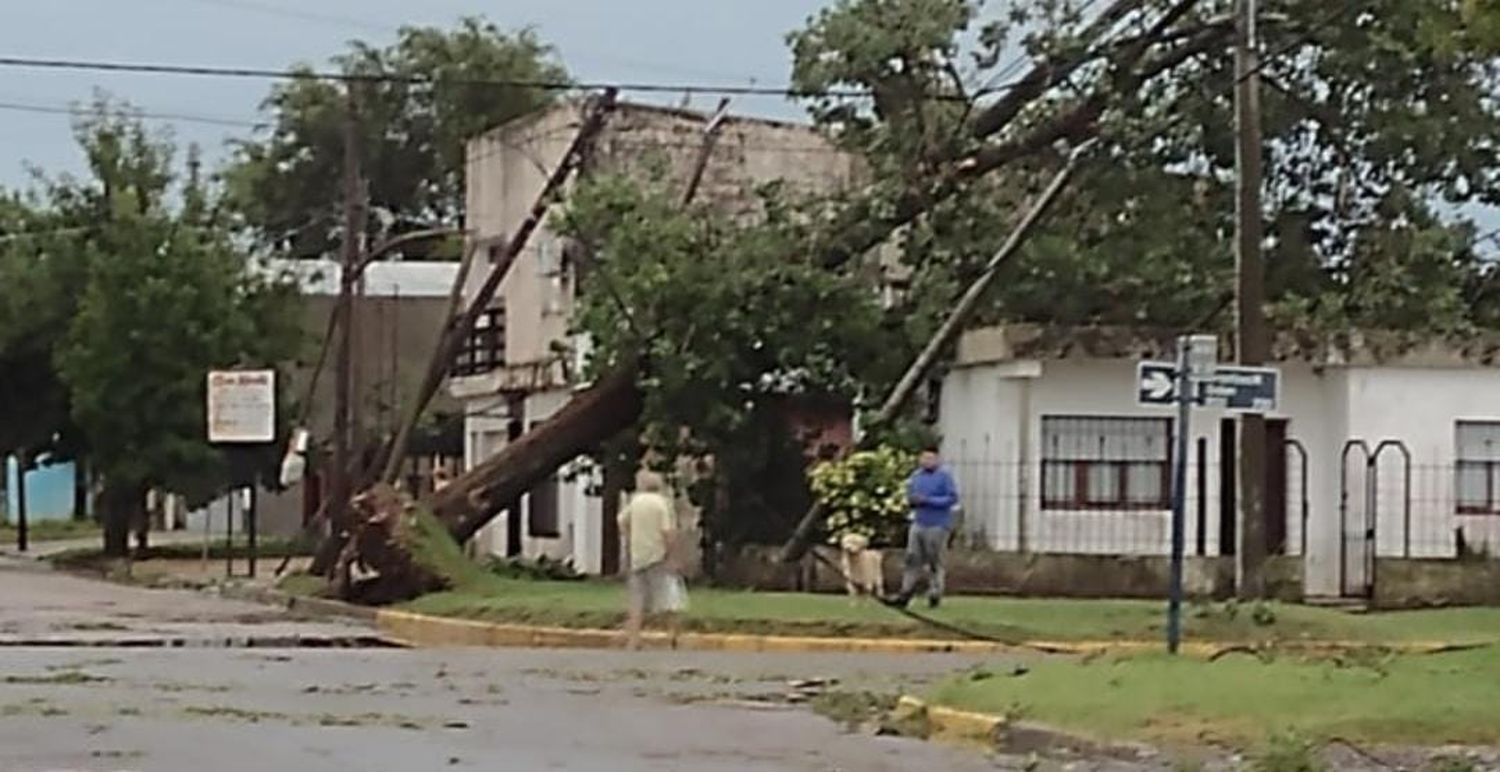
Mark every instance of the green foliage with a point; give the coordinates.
(1372, 114)
(865, 493)
(541, 569)
(165, 298)
(119, 292)
(1286, 752)
(434, 550)
(731, 327)
(285, 187)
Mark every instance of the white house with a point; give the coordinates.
(522, 366)
(1055, 455)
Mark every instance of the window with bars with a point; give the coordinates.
(1094, 462)
(1477, 473)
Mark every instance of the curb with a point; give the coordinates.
(301, 605)
(424, 630)
(413, 629)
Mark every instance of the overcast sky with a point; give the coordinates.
(659, 41)
(715, 42)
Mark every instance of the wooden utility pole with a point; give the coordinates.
(1252, 346)
(341, 484)
(462, 325)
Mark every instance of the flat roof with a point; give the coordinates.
(397, 278)
(1016, 342)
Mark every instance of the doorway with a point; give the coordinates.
(1274, 506)
(1276, 491)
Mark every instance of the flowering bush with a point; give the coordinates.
(864, 493)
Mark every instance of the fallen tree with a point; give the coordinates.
(614, 403)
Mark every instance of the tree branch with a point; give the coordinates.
(1046, 74)
(862, 228)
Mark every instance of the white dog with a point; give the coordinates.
(861, 566)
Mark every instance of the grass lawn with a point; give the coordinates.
(1241, 700)
(600, 604)
(51, 530)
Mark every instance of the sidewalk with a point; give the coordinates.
(41, 550)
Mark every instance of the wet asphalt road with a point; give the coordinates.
(237, 709)
(222, 707)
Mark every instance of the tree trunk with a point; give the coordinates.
(142, 528)
(120, 505)
(591, 418)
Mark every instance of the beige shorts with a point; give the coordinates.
(655, 589)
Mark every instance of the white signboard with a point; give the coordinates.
(242, 406)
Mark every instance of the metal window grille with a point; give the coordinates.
(1092, 462)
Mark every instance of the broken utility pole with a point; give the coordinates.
(462, 326)
(340, 484)
(796, 546)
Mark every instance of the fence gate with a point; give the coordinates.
(1359, 514)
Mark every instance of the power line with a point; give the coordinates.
(294, 13)
(80, 110)
(541, 85)
(375, 26)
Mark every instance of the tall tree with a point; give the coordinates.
(160, 296)
(420, 99)
(1375, 111)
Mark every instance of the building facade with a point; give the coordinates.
(522, 366)
(1387, 453)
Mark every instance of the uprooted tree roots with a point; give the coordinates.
(388, 556)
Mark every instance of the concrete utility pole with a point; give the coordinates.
(1252, 345)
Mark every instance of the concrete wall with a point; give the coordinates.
(507, 167)
(984, 572)
(49, 492)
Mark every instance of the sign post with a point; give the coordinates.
(1196, 378)
(241, 411)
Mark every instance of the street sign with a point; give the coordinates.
(1242, 389)
(242, 406)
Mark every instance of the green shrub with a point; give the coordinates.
(1288, 752)
(864, 493)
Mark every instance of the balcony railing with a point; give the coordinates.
(484, 350)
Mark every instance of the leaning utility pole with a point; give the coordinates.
(340, 486)
(946, 334)
(1252, 346)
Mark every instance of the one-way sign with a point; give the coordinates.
(1245, 389)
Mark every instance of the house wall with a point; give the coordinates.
(991, 424)
(49, 492)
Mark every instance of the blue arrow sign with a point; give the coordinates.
(1243, 389)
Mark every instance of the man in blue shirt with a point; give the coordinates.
(932, 494)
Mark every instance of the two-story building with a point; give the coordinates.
(521, 364)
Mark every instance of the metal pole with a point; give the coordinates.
(1179, 496)
(229, 534)
(252, 528)
(23, 525)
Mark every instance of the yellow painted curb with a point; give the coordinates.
(424, 630)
